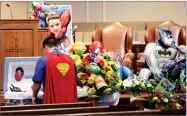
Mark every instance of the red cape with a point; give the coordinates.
(60, 86)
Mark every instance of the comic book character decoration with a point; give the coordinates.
(58, 25)
(58, 20)
(96, 47)
(163, 60)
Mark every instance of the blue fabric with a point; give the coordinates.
(40, 69)
(124, 72)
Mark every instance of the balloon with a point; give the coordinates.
(126, 72)
(79, 48)
(77, 59)
(119, 71)
(94, 68)
(96, 47)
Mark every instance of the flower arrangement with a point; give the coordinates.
(161, 98)
(167, 99)
(97, 70)
(99, 73)
(134, 85)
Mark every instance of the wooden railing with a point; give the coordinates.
(46, 106)
(73, 110)
(149, 112)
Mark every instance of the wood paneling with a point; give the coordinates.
(18, 38)
(42, 34)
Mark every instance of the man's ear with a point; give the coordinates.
(45, 48)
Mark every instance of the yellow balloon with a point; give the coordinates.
(79, 48)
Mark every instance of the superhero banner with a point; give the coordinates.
(58, 20)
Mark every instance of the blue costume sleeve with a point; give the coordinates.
(40, 68)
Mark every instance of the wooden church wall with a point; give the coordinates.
(19, 38)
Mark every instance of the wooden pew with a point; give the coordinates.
(46, 106)
(51, 111)
(140, 112)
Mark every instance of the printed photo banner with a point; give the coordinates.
(65, 15)
(60, 10)
(44, 11)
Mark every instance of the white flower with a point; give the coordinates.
(149, 85)
(155, 98)
(127, 83)
(137, 82)
(166, 100)
(142, 84)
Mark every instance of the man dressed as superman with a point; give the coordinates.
(57, 73)
(57, 25)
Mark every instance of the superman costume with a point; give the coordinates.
(57, 72)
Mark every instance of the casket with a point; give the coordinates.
(17, 89)
(18, 80)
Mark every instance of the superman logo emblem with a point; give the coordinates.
(63, 68)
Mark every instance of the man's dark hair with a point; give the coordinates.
(50, 41)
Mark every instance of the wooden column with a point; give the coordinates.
(19, 38)
(42, 34)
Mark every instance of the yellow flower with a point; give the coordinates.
(116, 66)
(171, 95)
(105, 63)
(118, 85)
(83, 81)
(84, 55)
(166, 100)
(107, 90)
(109, 73)
(101, 58)
(120, 81)
(78, 75)
(78, 62)
(91, 91)
(91, 80)
(111, 63)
